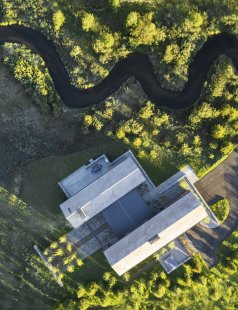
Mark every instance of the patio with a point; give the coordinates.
(174, 257)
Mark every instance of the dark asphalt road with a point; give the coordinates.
(222, 182)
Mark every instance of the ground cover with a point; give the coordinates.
(200, 136)
(24, 279)
(44, 174)
(28, 281)
(221, 209)
(192, 285)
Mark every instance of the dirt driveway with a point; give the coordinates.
(222, 182)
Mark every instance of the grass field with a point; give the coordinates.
(40, 178)
(37, 218)
(41, 191)
(24, 280)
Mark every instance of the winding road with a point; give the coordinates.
(137, 65)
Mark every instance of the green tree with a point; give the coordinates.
(230, 112)
(89, 22)
(160, 119)
(219, 131)
(221, 209)
(137, 142)
(194, 22)
(120, 133)
(147, 111)
(97, 123)
(196, 140)
(115, 4)
(110, 279)
(171, 53)
(132, 19)
(204, 111)
(142, 29)
(58, 19)
(186, 149)
(104, 43)
(88, 120)
(199, 264)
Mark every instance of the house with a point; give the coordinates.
(122, 193)
(104, 186)
(155, 233)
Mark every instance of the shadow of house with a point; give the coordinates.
(222, 182)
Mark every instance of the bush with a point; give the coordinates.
(142, 29)
(88, 120)
(227, 148)
(221, 209)
(219, 131)
(137, 142)
(120, 134)
(147, 111)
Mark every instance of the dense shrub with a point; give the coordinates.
(221, 209)
(90, 42)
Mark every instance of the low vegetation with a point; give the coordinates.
(24, 279)
(90, 37)
(192, 286)
(200, 137)
(221, 209)
(34, 76)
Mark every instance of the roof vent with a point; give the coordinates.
(81, 213)
(96, 168)
(154, 239)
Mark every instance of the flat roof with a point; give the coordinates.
(85, 175)
(155, 233)
(102, 192)
(127, 213)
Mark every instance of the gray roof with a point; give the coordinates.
(83, 176)
(102, 192)
(155, 233)
(127, 213)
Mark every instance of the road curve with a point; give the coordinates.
(137, 65)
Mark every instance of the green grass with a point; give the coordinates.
(40, 190)
(92, 270)
(205, 170)
(40, 178)
(159, 172)
(44, 222)
(221, 209)
(24, 280)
